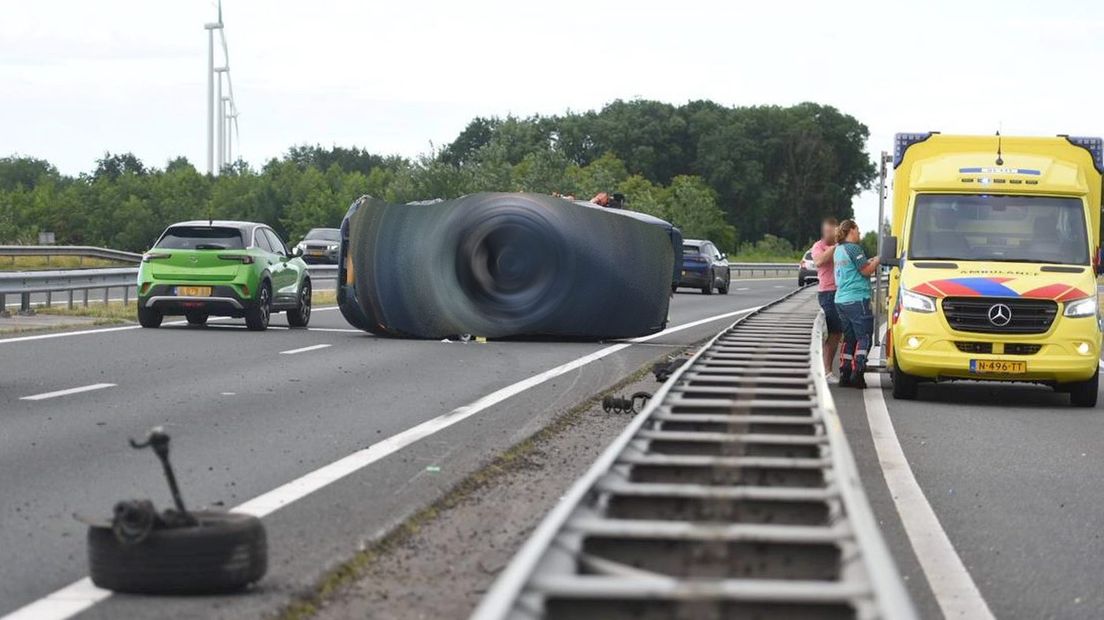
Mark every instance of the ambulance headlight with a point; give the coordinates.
(916, 302)
(1081, 307)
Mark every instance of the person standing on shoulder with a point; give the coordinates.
(823, 250)
(852, 272)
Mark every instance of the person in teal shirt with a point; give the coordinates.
(853, 270)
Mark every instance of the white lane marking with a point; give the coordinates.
(955, 591)
(64, 603)
(80, 595)
(104, 330)
(679, 328)
(70, 391)
(742, 288)
(305, 349)
(305, 485)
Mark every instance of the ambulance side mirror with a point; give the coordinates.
(888, 254)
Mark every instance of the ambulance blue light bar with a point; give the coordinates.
(902, 141)
(1095, 147)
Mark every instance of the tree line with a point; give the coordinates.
(730, 174)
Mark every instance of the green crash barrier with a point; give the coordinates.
(505, 265)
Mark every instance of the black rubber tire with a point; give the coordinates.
(196, 317)
(707, 289)
(904, 385)
(224, 553)
(259, 314)
(800, 282)
(300, 315)
(723, 289)
(148, 317)
(1083, 393)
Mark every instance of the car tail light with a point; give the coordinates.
(349, 269)
(148, 256)
(145, 288)
(245, 290)
(244, 259)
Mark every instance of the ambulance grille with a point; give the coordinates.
(971, 314)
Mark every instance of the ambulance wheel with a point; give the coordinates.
(904, 384)
(1083, 393)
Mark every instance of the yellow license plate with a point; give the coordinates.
(193, 291)
(997, 367)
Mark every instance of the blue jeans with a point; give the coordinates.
(858, 329)
(827, 301)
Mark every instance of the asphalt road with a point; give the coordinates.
(1013, 474)
(248, 414)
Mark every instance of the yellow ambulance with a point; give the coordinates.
(995, 251)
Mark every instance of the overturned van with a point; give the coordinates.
(505, 265)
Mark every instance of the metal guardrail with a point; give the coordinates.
(733, 494)
(738, 269)
(775, 269)
(73, 281)
(70, 250)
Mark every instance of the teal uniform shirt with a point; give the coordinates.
(851, 284)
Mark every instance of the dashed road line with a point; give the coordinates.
(69, 392)
(82, 594)
(951, 584)
(123, 328)
(305, 349)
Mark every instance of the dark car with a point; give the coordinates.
(806, 270)
(321, 245)
(704, 267)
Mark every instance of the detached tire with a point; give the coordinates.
(225, 552)
(1083, 393)
(148, 317)
(904, 384)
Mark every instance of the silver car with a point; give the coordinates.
(320, 245)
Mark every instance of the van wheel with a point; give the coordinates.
(1083, 393)
(256, 317)
(148, 317)
(904, 385)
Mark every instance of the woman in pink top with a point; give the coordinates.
(826, 289)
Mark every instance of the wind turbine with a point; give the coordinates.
(227, 108)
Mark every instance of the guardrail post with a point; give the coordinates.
(107, 292)
(4, 307)
(85, 298)
(49, 298)
(25, 304)
(126, 295)
(70, 299)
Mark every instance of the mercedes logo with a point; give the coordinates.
(1000, 315)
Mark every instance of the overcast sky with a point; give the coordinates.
(78, 78)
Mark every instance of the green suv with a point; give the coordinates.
(238, 269)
